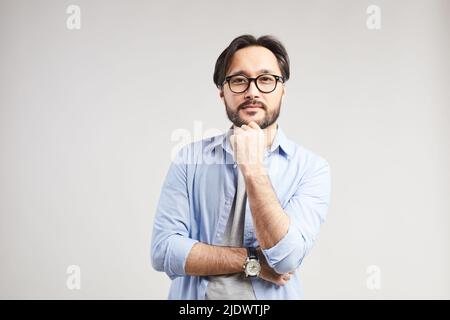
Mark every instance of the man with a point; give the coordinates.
(238, 212)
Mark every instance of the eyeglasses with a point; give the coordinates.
(265, 83)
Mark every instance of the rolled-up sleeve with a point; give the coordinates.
(170, 238)
(307, 210)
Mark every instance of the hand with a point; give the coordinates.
(248, 143)
(268, 274)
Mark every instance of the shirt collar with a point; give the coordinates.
(280, 141)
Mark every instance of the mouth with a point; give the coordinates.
(252, 107)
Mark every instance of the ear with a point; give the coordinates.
(221, 93)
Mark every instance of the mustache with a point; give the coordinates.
(253, 102)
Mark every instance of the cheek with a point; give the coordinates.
(273, 101)
(231, 100)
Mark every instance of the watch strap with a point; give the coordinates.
(251, 252)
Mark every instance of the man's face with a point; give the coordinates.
(251, 62)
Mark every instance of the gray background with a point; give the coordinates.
(86, 119)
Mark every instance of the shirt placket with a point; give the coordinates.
(229, 191)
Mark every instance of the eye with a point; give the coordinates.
(266, 79)
(238, 80)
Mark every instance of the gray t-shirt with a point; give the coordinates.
(235, 285)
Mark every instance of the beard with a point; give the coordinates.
(268, 120)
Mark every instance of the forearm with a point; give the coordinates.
(206, 260)
(270, 222)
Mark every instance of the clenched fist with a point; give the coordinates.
(248, 143)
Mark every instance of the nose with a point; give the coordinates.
(252, 91)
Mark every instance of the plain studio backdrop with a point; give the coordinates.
(87, 118)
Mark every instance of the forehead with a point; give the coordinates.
(252, 60)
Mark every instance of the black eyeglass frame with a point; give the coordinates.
(277, 78)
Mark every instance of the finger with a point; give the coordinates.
(281, 278)
(281, 282)
(238, 130)
(245, 128)
(253, 125)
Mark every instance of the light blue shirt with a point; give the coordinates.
(196, 200)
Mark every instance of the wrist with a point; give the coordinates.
(252, 266)
(252, 170)
(242, 258)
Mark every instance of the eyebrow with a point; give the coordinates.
(242, 72)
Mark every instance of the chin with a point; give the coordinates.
(258, 121)
(254, 117)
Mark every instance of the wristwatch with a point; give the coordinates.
(252, 267)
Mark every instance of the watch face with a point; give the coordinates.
(252, 268)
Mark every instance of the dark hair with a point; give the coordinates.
(247, 40)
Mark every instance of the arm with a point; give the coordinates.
(248, 143)
(205, 260)
(266, 210)
(171, 241)
(173, 250)
(286, 234)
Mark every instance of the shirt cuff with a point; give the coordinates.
(279, 257)
(179, 248)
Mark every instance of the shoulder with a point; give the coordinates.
(307, 162)
(304, 154)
